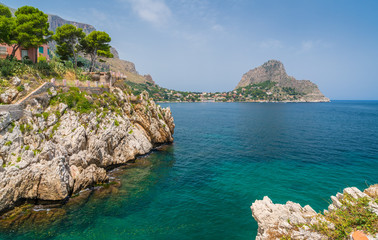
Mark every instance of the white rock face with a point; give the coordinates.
(50, 158)
(8, 96)
(16, 81)
(277, 220)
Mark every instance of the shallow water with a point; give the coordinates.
(225, 156)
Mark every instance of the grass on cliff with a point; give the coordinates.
(354, 215)
(82, 102)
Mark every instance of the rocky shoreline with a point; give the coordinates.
(61, 145)
(351, 215)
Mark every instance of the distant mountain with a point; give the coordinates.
(279, 86)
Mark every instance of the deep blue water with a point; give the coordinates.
(225, 156)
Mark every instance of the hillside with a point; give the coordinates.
(271, 82)
(115, 64)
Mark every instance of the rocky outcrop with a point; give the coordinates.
(291, 221)
(274, 71)
(54, 151)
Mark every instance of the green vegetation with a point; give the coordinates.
(27, 147)
(355, 215)
(36, 151)
(116, 123)
(8, 143)
(45, 115)
(20, 88)
(82, 102)
(96, 44)
(18, 159)
(12, 125)
(67, 38)
(28, 28)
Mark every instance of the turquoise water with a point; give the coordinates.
(225, 156)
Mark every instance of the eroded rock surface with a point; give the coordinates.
(54, 151)
(291, 221)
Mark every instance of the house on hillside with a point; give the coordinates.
(31, 53)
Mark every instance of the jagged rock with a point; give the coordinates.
(5, 120)
(276, 220)
(290, 221)
(16, 81)
(372, 191)
(55, 157)
(8, 96)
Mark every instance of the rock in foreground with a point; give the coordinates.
(349, 212)
(68, 138)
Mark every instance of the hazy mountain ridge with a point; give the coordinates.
(275, 72)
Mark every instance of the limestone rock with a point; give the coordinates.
(276, 220)
(372, 191)
(50, 159)
(8, 96)
(290, 220)
(5, 120)
(16, 81)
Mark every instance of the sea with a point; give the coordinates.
(224, 157)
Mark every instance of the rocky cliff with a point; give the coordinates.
(116, 64)
(68, 138)
(352, 215)
(283, 85)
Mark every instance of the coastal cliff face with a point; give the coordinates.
(63, 145)
(283, 85)
(351, 215)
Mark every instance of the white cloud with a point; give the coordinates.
(310, 45)
(152, 11)
(217, 28)
(307, 46)
(271, 43)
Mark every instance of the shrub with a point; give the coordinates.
(116, 123)
(354, 215)
(8, 143)
(42, 59)
(20, 88)
(45, 115)
(7, 67)
(45, 68)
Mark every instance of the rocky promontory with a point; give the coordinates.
(270, 82)
(68, 138)
(351, 215)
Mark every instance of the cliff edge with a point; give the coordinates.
(68, 138)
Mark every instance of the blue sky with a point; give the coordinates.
(203, 45)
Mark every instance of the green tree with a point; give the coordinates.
(30, 28)
(96, 44)
(68, 37)
(6, 24)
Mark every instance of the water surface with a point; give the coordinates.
(225, 156)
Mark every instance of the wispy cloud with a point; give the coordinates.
(217, 28)
(310, 45)
(155, 12)
(271, 43)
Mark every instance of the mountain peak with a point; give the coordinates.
(274, 71)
